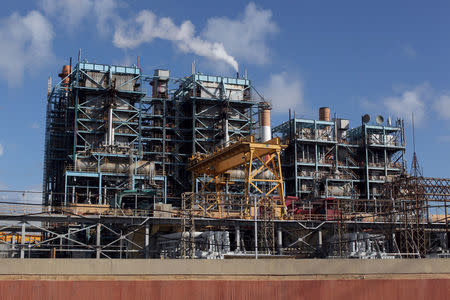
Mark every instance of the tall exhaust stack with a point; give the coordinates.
(64, 75)
(264, 121)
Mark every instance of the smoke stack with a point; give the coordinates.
(264, 121)
(66, 70)
(324, 114)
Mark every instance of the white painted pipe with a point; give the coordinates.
(110, 127)
(227, 134)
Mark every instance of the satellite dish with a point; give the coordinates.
(366, 118)
(379, 119)
(389, 121)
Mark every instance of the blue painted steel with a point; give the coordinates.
(109, 68)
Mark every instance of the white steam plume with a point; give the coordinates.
(147, 26)
(247, 36)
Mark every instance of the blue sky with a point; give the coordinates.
(383, 57)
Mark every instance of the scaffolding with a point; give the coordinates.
(93, 148)
(327, 159)
(387, 227)
(198, 114)
(106, 139)
(420, 201)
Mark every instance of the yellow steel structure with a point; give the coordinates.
(261, 163)
(17, 238)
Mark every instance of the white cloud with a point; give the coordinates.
(245, 37)
(285, 92)
(72, 13)
(105, 11)
(35, 125)
(442, 106)
(410, 101)
(26, 45)
(68, 12)
(418, 100)
(1, 149)
(147, 26)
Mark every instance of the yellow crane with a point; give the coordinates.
(243, 153)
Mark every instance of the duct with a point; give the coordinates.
(131, 168)
(363, 245)
(110, 134)
(226, 139)
(227, 134)
(167, 238)
(209, 244)
(240, 174)
(142, 166)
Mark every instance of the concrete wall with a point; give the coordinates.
(224, 279)
(245, 267)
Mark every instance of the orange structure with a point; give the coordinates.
(262, 166)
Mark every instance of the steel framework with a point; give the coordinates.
(50, 231)
(113, 151)
(327, 159)
(94, 139)
(262, 167)
(420, 201)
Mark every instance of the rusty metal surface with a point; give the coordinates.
(361, 289)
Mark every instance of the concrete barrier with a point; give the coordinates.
(245, 267)
(224, 279)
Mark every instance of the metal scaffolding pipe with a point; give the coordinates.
(280, 241)
(238, 238)
(147, 240)
(22, 242)
(98, 239)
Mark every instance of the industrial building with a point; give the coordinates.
(158, 166)
(327, 158)
(107, 141)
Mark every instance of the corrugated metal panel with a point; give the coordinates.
(361, 289)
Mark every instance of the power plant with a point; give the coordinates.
(190, 171)
(155, 166)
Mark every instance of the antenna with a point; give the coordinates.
(414, 133)
(415, 168)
